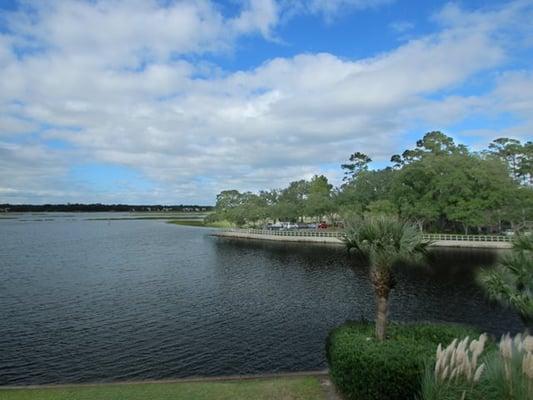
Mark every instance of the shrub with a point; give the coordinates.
(364, 368)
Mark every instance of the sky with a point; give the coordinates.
(170, 102)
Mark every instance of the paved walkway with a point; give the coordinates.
(336, 241)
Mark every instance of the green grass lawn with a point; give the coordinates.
(294, 388)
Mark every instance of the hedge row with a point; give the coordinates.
(363, 368)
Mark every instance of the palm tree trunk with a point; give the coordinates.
(381, 317)
(383, 283)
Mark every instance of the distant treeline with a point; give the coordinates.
(100, 208)
(443, 186)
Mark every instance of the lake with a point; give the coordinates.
(94, 300)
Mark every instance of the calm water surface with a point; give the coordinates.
(86, 301)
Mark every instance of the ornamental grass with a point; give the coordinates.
(467, 370)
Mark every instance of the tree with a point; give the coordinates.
(319, 199)
(228, 199)
(509, 150)
(518, 208)
(291, 201)
(384, 241)
(511, 281)
(525, 169)
(227, 206)
(440, 184)
(438, 143)
(414, 194)
(457, 189)
(397, 161)
(433, 143)
(254, 207)
(517, 156)
(382, 207)
(367, 187)
(473, 190)
(358, 163)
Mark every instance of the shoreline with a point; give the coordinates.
(192, 379)
(337, 242)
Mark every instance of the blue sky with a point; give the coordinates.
(147, 101)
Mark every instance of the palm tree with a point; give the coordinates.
(511, 281)
(384, 241)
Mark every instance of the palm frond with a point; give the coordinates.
(384, 240)
(523, 242)
(511, 281)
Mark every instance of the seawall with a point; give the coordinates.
(332, 240)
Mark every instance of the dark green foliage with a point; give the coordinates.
(440, 184)
(518, 157)
(358, 162)
(385, 241)
(98, 207)
(319, 201)
(368, 187)
(511, 281)
(363, 368)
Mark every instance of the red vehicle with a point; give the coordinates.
(322, 225)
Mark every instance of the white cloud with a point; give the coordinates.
(401, 26)
(126, 33)
(10, 125)
(29, 168)
(514, 92)
(260, 15)
(329, 9)
(119, 95)
(513, 95)
(334, 6)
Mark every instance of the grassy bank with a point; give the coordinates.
(202, 223)
(294, 388)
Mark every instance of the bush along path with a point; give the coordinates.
(365, 368)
